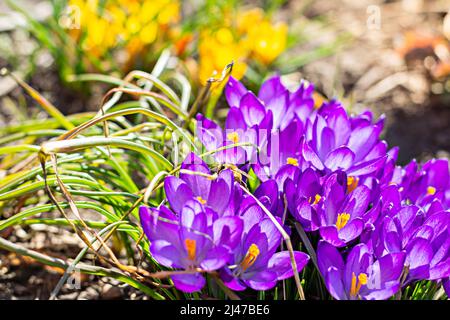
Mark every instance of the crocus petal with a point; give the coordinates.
(231, 281)
(367, 167)
(339, 123)
(441, 270)
(331, 235)
(156, 228)
(235, 120)
(351, 230)
(194, 224)
(215, 259)
(378, 151)
(334, 284)
(199, 185)
(231, 155)
(419, 255)
(270, 88)
(252, 109)
(272, 233)
(383, 294)
(252, 215)
(360, 197)
(262, 280)
(228, 231)
(327, 143)
(328, 256)
(438, 173)
(391, 266)
(234, 90)
(166, 254)
(219, 195)
(209, 133)
(362, 141)
(311, 156)
(269, 191)
(278, 105)
(281, 264)
(189, 282)
(384, 276)
(340, 158)
(177, 192)
(303, 213)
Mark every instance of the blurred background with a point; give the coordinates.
(392, 57)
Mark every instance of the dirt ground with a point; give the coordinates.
(369, 72)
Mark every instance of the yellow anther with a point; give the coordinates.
(317, 198)
(191, 246)
(233, 137)
(292, 161)
(431, 190)
(357, 283)
(201, 200)
(250, 257)
(342, 220)
(318, 100)
(352, 183)
(362, 279)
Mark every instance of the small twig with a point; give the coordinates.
(206, 90)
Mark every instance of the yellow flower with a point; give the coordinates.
(128, 24)
(247, 19)
(217, 50)
(267, 41)
(249, 34)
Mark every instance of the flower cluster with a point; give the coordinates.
(212, 226)
(132, 24)
(135, 31)
(250, 35)
(376, 227)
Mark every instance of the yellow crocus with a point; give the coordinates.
(217, 50)
(250, 34)
(130, 24)
(247, 19)
(267, 41)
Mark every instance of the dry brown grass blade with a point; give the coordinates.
(74, 210)
(204, 93)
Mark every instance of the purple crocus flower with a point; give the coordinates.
(424, 240)
(214, 193)
(274, 98)
(304, 194)
(281, 152)
(360, 276)
(341, 216)
(214, 138)
(288, 112)
(279, 116)
(422, 186)
(190, 241)
(428, 252)
(334, 141)
(255, 263)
